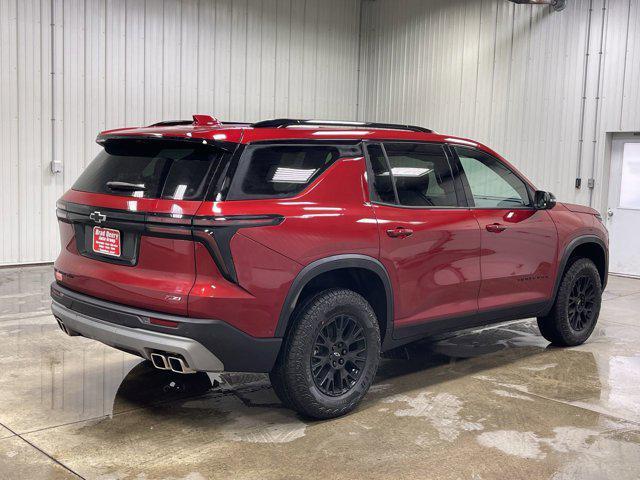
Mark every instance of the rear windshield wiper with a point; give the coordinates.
(126, 186)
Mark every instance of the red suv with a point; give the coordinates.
(306, 248)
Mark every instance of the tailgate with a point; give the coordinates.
(125, 225)
(155, 269)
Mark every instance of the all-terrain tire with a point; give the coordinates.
(577, 306)
(302, 377)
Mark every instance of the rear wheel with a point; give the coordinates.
(575, 312)
(330, 355)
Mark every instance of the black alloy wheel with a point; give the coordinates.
(339, 355)
(330, 354)
(581, 303)
(574, 314)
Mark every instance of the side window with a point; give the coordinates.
(277, 171)
(382, 185)
(492, 184)
(422, 174)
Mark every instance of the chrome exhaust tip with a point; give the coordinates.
(65, 329)
(61, 325)
(178, 365)
(160, 361)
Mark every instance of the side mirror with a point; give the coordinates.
(544, 200)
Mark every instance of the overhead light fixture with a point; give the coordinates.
(411, 172)
(557, 5)
(180, 191)
(292, 175)
(407, 172)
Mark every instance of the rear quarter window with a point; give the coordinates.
(277, 171)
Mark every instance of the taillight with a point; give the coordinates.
(239, 221)
(214, 232)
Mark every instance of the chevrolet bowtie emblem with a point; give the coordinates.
(98, 217)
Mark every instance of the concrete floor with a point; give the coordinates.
(493, 403)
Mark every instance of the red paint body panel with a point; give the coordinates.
(317, 224)
(246, 134)
(205, 132)
(330, 217)
(166, 268)
(253, 306)
(572, 225)
(572, 207)
(435, 272)
(518, 263)
(165, 272)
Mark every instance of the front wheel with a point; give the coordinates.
(330, 356)
(577, 307)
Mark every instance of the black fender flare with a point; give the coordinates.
(568, 251)
(327, 264)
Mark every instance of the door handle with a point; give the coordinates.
(495, 228)
(399, 232)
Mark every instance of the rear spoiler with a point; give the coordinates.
(226, 146)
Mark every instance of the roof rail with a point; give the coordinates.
(288, 122)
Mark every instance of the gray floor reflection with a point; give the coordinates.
(145, 384)
(490, 403)
(24, 292)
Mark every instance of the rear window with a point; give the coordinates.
(150, 169)
(276, 171)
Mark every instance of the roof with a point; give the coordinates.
(209, 129)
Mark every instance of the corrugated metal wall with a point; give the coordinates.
(512, 76)
(133, 62)
(527, 81)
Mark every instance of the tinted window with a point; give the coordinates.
(267, 171)
(170, 170)
(382, 190)
(422, 175)
(492, 184)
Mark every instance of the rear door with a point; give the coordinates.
(126, 223)
(429, 240)
(519, 243)
(623, 213)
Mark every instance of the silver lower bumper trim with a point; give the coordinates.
(143, 342)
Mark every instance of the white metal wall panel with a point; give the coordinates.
(631, 90)
(9, 213)
(134, 62)
(512, 76)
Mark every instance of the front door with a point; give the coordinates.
(623, 213)
(519, 243)
(429, 243)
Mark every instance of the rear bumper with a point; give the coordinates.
(136, 340)
(205, 344)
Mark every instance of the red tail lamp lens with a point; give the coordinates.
(163, 323)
